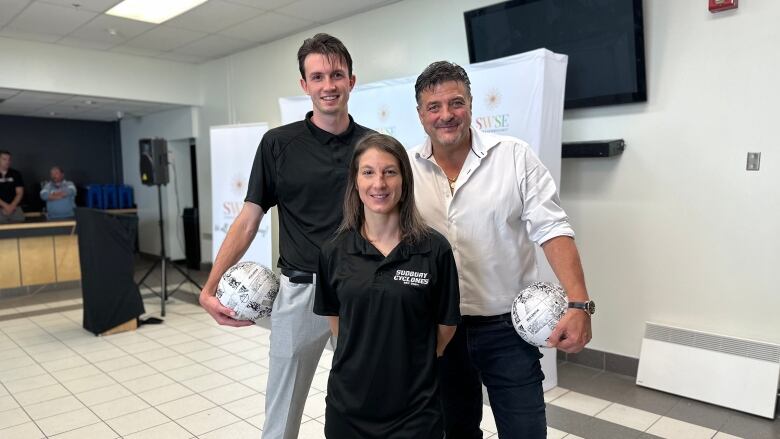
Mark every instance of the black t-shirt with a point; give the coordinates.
(383, 382)
(8, 184)
(302, 169)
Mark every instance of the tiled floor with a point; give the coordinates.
(191, 378)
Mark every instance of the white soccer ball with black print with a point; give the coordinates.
(536, 311)
(249, 289)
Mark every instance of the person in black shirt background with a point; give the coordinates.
(302, 169)
(389, 287)
(11, 191)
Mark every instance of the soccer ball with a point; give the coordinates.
(249, 289)
(536, 311)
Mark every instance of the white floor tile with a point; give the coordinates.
(67, 421)
(164, 394)
(247, 407)
(488, 421)
(580, 403)
(132, 372)
(119, 407)
(74, 373)
(155, 355)
(239, 430)
(64, 363)
(117, 363)
(138, 421)
(257, 420)
(555, 434)
(7, 402)
(312, 430)
(628, 417)
(54, 407)
(206, 382)
(104, 394)
(227, 393)
(140, 385)
(258, 383)
(315, 405)
(186, 406)
(554, 393)
(41, 394)
(12, 417)
(28, 430)
(16, 361)
(207, 354)
(93, 431)
(188, 372)
(18, 373)
(220, 363)
(673, 429)
(208, 420)
(722, 435)
(243, 371)
(169, 430)
(81, 385)
(31, 383)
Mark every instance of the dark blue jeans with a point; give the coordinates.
(488, 350)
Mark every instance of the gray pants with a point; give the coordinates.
(17, 216)
(298, 337)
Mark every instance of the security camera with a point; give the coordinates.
(119, 115)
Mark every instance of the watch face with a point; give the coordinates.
(591, 307)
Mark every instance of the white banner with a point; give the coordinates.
(233, 150)
(520, 95)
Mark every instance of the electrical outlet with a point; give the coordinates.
(753, 161)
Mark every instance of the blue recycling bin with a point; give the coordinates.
(110, 196)
(95, 196)
(125, 196)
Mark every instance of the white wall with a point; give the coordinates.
(675, 230)
(61, 69)
(177, 127)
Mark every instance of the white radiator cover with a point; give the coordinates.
(727, 371)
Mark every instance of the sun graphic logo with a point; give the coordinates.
(384, 113)
(493, 99)
(238, 185)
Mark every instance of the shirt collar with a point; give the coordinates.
(481, 142)
(356, 244)
(325, 137)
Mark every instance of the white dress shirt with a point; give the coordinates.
(505, 200)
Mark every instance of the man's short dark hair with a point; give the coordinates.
(4, 152)
(437, 73)
(327, 45)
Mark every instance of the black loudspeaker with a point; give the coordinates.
(154, 161)
(595, 148)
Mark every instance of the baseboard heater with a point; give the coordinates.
(731, 372)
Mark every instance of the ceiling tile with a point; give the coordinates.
(10, 8)
(214, 16)
(99, 29)
(50, 19)
(135, 51)
(214, 46)
(86, 44)
(267, 27)
(7, 92)
(181, 57)
(29, 36)
(165, 38)
(87, 5)
(36, 98)
(262, 4)
(327, 11)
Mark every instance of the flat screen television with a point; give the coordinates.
(604, 40)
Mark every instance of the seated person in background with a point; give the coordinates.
(59, 195)
(11, 191)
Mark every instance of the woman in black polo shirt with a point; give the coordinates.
(389, 287)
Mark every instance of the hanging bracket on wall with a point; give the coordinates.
(723, 5)
(593, 148)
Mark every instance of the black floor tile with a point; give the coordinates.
(700, 413)
(753, 427)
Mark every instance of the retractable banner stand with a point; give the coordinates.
(520, 95)
(233, 150)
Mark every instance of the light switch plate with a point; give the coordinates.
(753, 161)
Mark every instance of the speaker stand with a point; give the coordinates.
(163, 262)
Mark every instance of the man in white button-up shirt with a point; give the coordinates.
(494, 200)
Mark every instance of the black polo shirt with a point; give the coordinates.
(302, 169)
(8, 184)
(383, 382)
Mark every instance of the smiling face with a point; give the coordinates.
(379, 182)
(445, 114)
(56, 175)
(328, 83)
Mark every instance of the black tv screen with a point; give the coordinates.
(603, 39)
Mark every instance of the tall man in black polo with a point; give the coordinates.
(11, 191)
(302, 169)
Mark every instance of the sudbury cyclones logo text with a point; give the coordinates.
(412, 278)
